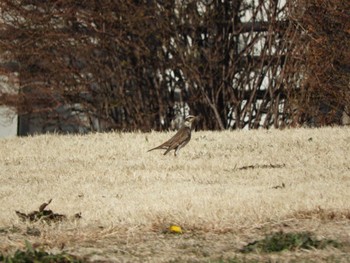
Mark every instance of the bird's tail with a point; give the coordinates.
(152, 149)
(160, 147)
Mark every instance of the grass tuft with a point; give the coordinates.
(32, 255)
(280, 241)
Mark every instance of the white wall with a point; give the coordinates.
(8, 123)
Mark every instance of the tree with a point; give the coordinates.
(135, 65)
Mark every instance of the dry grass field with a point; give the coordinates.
(225, 190)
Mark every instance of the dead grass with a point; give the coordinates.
(224, 189)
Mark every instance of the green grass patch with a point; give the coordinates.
(280, 241)
(32, 255)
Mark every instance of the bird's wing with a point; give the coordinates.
(178, 137)
(164, 145)
(183, 135)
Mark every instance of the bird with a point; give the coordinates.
(180, 139)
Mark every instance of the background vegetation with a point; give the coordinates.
(135, 65)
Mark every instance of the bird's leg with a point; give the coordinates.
(177, 149)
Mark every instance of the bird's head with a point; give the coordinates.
(189, 120)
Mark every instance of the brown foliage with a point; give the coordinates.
(323, 51)
(137, 64)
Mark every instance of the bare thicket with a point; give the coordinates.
(319, 91)
(137, 64)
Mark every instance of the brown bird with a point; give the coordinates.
(180, 139)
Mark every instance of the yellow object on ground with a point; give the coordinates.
(175, 229)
